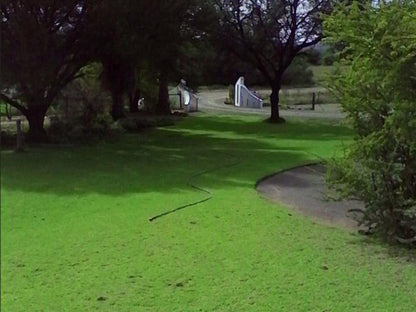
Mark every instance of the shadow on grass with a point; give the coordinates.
(294, 128)
(162, 161)
(375, 245)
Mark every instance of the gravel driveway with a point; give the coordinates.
(212, 101)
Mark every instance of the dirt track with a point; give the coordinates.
(212, 101)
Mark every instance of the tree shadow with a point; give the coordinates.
(294, 128)
(163, 161)
(375, 245)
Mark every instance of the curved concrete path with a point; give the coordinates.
(304, 190)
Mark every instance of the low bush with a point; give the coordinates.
(82, 114)
(7, 139)
(139, 122)
(231, 95)
(74, 130)
(298, 74)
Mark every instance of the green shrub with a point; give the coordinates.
(328, 57)
(231, 95)
(377, 89)
(313, 56)
(298, 74)
(138, 122)
(82, 114)
(74, 130)
(7, 139)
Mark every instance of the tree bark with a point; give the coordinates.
(274, 103)
(163, 105)
(134, 98)
(35, 115)
(117, 110)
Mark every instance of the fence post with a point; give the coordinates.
(313, 100)
(19, 137)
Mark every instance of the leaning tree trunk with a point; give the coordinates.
(274, 102)
(134, 97)
(163, 105)
(117, 110)
(35, 115)
(133, 90)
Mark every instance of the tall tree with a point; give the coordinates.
(269, 34)
(138, 34)
(42, 51)
(169, 27)
(119, 27)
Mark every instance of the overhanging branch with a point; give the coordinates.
(13, 103)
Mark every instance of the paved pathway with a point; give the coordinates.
(304, 190)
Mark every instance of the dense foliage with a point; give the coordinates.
(81, 114)
(145, 45)
(44, 44)
(377, 88)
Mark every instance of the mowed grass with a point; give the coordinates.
(76, 237)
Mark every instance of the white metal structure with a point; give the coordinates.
(244, 97)
(187, 97)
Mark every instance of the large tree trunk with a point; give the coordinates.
(117, 110)
(134, 97)
(35, 115)
(133, 88)
(274, 102)
(163, 105)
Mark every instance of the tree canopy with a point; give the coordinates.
(43, 48)
(46, 43)
(270, 34)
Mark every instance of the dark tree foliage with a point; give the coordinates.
(120, 36)
(42, 51)
(270, 34)
(139, 34)
(172, 28)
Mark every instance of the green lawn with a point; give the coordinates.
(75, 234)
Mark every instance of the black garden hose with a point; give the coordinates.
(196, 187)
